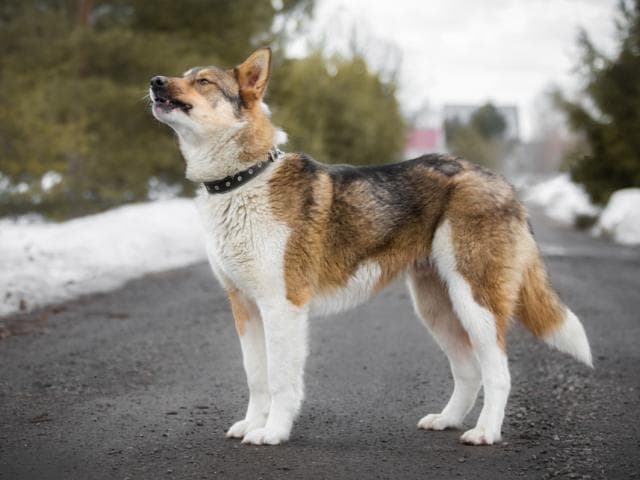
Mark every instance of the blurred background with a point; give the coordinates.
(521, 87)
(546, 92)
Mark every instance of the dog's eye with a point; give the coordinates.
(204, 81)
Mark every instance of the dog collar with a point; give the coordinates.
(240, 178)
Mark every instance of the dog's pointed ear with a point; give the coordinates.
(252, 76)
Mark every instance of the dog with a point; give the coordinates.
(288, 238)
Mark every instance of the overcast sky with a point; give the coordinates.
(468, 51)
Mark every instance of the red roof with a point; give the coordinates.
(423, 138)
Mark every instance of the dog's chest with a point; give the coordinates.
(245, 245)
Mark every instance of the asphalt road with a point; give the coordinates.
(142, 382)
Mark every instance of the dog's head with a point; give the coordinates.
(219, 112)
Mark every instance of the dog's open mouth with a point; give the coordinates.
(168, 104)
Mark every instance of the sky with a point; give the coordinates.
(467, 51)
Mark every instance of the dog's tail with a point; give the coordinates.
(544, 314)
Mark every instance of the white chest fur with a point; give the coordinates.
(245, 244)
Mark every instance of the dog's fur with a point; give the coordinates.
(305, 238)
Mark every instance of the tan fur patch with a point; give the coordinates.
(219, 84)
(293, 191)
(240, 308)
(252, 76)
(339, 218)
(257, 138)
(337, 224)
(491, 243)
(539, 307)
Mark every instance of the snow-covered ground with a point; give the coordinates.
(563, 200)
(45, 262)
(620, 220)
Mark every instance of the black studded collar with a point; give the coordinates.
(240, 178)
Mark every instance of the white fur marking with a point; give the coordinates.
(246, 245)
(357, 290)
(435, 310)
(280, 137)
(570, 338)
(286, 342)
(254, 358)
(480, 325)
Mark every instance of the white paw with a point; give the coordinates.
(437, 421)
(265, 436)
(480, 436)
(240, 429)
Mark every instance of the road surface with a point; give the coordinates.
(142, 382)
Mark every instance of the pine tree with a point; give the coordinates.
(609, 116)
(481, 140)
(337, 110)
(74, 74)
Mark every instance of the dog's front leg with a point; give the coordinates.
(286, 340)
(254, 358)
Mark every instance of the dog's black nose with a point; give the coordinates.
(158, 82)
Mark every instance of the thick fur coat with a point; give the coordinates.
(304, 238)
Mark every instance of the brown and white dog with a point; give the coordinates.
(289, 237)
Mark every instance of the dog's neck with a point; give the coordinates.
(223, 153)
(212, 156)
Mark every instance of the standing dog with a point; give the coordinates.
(288, 237)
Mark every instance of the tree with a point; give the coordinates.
(337, 110)
(489, 122)
(608, 118)
(74, 74)
(481, 140)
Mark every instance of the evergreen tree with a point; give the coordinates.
(74, 75)
(481, 140)
(337, 110)
(489, 122)
(609, 118)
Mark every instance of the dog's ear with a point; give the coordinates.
(252, 76)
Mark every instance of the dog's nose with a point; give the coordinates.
(158, 82)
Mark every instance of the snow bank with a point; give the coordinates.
(561, 199)
(49, 262)
(620, 220)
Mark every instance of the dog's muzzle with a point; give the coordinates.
(161, 97)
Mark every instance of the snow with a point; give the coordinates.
(44, 263)
(561, 199)
(620, 220)
(50, 180)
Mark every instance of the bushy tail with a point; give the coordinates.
(542, 312)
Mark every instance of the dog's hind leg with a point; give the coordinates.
(432, 304)
(285, 328)
(254, 358)
(484, 323)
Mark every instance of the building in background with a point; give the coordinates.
(424, 140)
(463, 113)
(428, 133)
